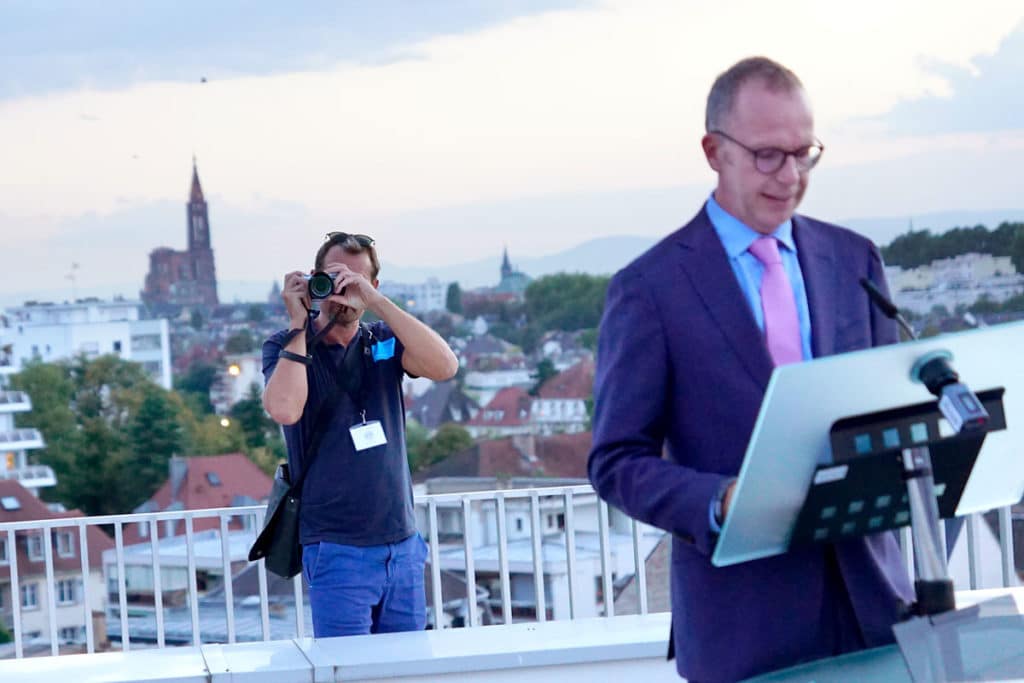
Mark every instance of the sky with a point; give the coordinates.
(449, 130)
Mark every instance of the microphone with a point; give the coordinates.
(957, 402)
(887, 307)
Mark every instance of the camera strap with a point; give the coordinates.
(350, 381)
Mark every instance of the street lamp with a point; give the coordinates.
(224, 422)
(234, 370)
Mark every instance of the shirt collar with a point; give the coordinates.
(737, 236)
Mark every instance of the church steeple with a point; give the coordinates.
(197, 190)
(506, 266)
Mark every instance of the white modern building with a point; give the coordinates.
(955, 281)
(15, 443)
(420, 297)
(52, 332)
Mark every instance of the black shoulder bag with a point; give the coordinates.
(278, 542)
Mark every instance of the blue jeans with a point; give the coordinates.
(355, 590)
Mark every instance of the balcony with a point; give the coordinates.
(32, 476)
(216, 617)
(21, 439)
(14, 402)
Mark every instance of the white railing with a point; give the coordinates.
(18, 438)
(30, 473)
(17, 398)
(565, 498)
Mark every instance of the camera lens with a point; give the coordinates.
(321, 286)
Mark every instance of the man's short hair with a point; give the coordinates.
(723, 92)
(352, 244)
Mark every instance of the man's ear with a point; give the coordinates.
(712, 150)
(376, 283)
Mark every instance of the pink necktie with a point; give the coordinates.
(781, 324)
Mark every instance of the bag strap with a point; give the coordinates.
(350, 382)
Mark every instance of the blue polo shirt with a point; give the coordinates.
(352, 497)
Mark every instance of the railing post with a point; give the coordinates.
(570, 550)
(503, 573)
(467, 544)
(540, 600)
(606, 559)
(1006, 545)
(435, 565)
(12, 549)
(122, 588)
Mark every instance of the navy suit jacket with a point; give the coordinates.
(681, 370)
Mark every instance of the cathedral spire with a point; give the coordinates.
(506, 266)
(197, 190)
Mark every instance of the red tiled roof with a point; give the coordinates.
(573, 382)
(509, 407)
(558, 455)
(32, 509)
(238, 476)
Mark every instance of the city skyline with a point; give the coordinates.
(455, 132)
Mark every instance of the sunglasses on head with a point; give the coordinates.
(363, 240)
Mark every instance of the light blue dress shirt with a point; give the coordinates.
(737, 237)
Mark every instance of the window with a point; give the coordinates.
(519, 523)
(35, 547)
(67, 592)
(213, 478)
(4, 559)
(30, 596)
(68, 634)
(143, 529)
(145, 342)
(10, 503)
(65, 544)
(117, 346)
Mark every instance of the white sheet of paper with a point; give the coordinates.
(367, 435)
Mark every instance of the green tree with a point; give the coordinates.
(252, 418)
(155, 434)
(5, 635)
(257, 313)
(545, 371)
(416, 438)
(195, 385)
(453, 299)
(566, 301)
(1017, 250)
(448, 439)
(240, 342)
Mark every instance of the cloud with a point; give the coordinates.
(985, 95)
(540, 130)
(63, 44)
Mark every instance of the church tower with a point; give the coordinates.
(199, 250)
(506, 266)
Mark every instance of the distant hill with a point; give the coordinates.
(603, 255)
(600, 256)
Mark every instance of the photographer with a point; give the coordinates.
(335, 385)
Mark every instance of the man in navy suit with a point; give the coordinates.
(688, 341)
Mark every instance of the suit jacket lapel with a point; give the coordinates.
(818, 267)
(706, 264)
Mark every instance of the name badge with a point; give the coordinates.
(367, 435)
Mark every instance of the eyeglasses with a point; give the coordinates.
(768, 160)
(363, 240)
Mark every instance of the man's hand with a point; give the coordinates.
(727, 500)
(295, 294)
(360, 293)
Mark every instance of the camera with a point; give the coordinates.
(321, 284)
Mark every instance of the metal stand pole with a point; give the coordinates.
(933, 586)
